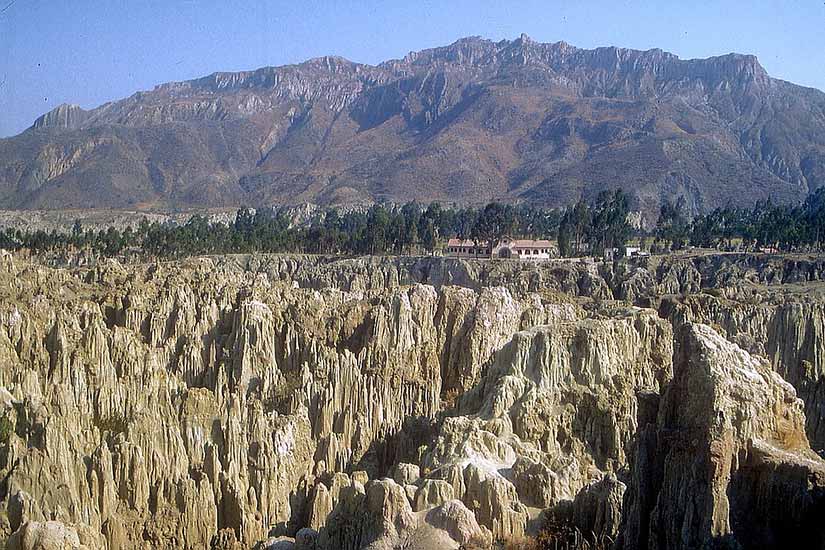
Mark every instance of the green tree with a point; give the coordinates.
(378, 220)
(565, 237)
(77, 233)
(608, 226)
(411, 215)
(814, 208)
(428, 226)
(672, 226)
(493, 223)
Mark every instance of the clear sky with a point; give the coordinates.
(92, 51)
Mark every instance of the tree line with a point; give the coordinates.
(585, 228)
(765, 226)
(590, 228)
(411, 228)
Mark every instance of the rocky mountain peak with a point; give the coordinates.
(63, 116)
(331, 63)
(472, 50)
(475, 120)
(740, 66)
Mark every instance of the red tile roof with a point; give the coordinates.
(528, 243)
(460, 242)
(516, 243)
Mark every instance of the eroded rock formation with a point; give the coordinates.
(727, 455)
(291, 402)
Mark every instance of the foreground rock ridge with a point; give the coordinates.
(471, 122)
(382, 403)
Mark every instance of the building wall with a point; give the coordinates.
(464, 252)
(483, 253)
(536, 254)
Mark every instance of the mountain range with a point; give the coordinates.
(478, 120)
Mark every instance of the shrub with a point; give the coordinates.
(281, 397)
(6, 429)
(114, 424)
(450, 398)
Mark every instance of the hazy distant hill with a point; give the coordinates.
(470, 122)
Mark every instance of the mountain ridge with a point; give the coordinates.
(473, 121)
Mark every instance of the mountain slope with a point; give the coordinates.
(470, 122)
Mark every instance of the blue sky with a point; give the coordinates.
(92, 51)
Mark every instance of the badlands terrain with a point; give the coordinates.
(296, 402)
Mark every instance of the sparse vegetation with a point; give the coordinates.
(520, 543)
(556, 533)
(563, 535)
(449, 399)
(572, 540)
(280, 398)
(6, 429)
(113, 423)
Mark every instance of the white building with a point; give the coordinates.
(522, 249)
(611, 254)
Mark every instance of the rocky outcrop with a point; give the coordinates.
(784, 326)
(727, 450)
(555, 411)
(296, 402)
(63, 116)
(168, 404)
(52, 535)
(379, 517)
(638, 280)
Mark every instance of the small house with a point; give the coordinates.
(506, 248)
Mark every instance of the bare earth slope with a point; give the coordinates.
(470, 122)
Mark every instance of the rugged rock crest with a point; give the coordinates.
(726, 457)
(471, 122)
